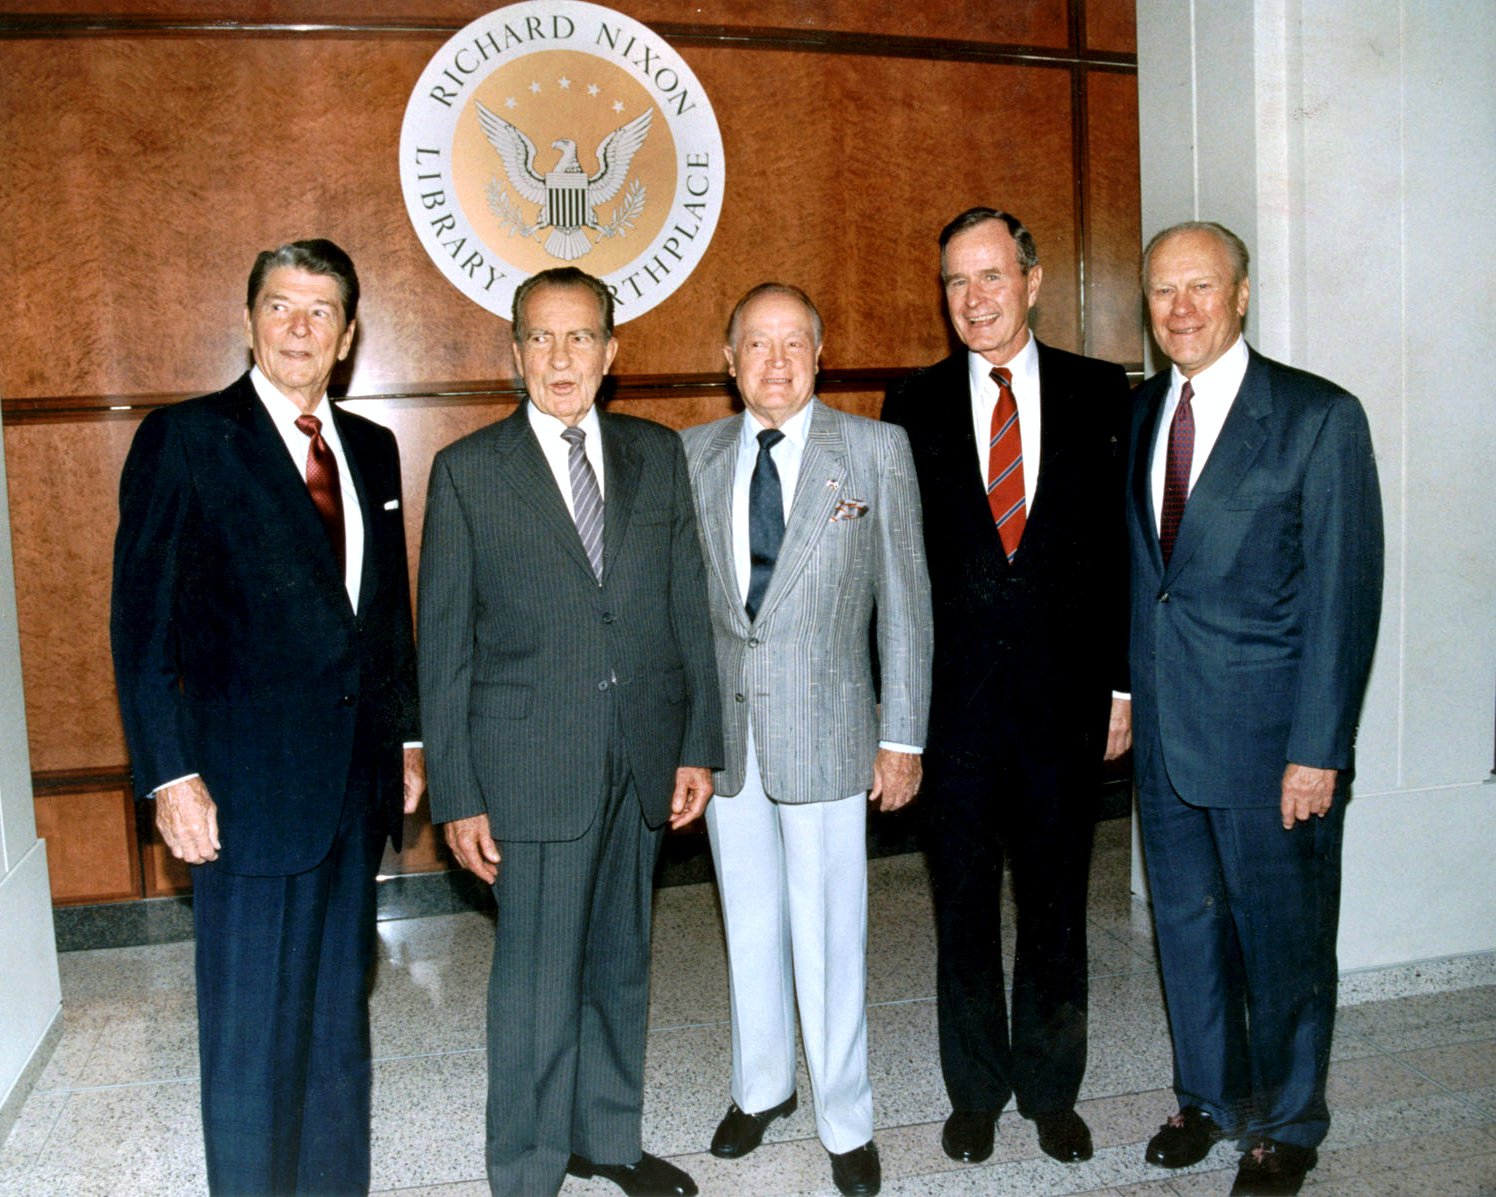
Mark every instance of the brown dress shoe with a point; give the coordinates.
(857, 1173)
(1184, 1139)
(739, 1133)
(968, 1135)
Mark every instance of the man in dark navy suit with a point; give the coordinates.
(261, 627)
(1019, 450)
(1256, 533)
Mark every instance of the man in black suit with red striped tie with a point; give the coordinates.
(1020, 452)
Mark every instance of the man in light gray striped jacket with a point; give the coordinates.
(810, 522)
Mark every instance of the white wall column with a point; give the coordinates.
(30, 998)
(1352, 145)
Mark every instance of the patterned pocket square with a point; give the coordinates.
(849, 509)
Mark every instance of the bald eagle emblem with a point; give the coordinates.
(567, 194)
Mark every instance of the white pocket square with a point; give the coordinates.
(392, 505)
(848, 509)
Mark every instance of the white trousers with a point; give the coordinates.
(793, 880)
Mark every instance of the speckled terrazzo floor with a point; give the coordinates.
(1413, 1084)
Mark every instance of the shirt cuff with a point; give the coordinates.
(1121, 695)
(413, 744)
(892, 747)
(173, 781)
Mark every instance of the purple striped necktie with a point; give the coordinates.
(1177, 471)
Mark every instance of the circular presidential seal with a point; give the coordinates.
(561, 133)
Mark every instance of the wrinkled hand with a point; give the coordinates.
(188, 820)
(1119, 729)
(693, 786)
(474, 846)
(415, 778)
(896, 777)
(1306, 791)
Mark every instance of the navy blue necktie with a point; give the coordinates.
(765, 520)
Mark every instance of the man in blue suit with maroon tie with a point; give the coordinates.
(263, 647)
(1256, 541)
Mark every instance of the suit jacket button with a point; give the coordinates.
(738, 698)
(602, 685)
(607, 617)
(753, 642)
(1164, 597)
(346, 701)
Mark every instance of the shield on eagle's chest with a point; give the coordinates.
(566, 198)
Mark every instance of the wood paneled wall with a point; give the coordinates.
(151, 151)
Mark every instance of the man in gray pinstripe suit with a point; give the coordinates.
(810, 522)
(573, 711)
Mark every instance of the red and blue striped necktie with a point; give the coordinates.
(1005, 493)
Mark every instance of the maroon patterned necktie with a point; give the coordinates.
(322, 482)
(1005, 494)
(1177, 471)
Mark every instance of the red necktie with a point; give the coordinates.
(322, 482)
(1177, 471)
(1005, 465)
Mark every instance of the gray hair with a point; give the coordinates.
(1236, 249)
(1028, 252)
(786, 289)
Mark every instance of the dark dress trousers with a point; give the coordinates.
(561, 708)
(1250, 650)
(1026, 657)
(238, 657)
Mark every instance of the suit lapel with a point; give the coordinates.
(715, 476)
(621, 469)
(353, 447)
(956, 450)
(823, 471)
(529, 476)
(1241, 437)
(268, 463)
(1151, 404)
(1054, 396)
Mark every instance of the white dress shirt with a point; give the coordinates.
(1215, 391)
(1024, 366)
(557, 450)
(786, 455)
(283, 414)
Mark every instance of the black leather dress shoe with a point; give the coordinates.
(1269, 1168)
(968, 1135)
(1064, 1136)
(857, 1173)
(650, 1177)
(1184, 1139)
(739, 1133)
